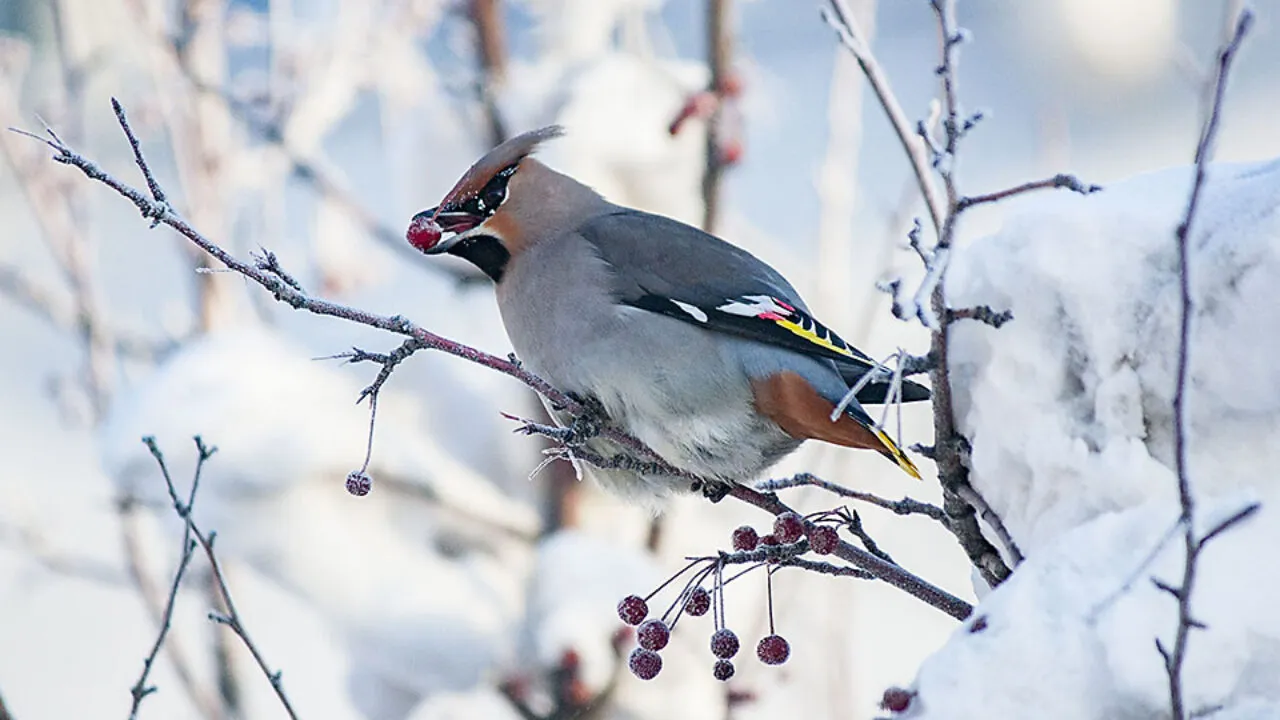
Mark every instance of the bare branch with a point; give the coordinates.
(140, 689)
(842, 20)
(1174, 658)
(905, 506)
(861, 559)
(232, 618)
(992, 519)
(1068, 182)
(983, 314)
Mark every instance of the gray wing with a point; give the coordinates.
(664, 266)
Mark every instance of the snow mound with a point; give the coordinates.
(1072, 633)
(1069, 406)
(1069, 410)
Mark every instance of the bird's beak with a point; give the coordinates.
(428, 227)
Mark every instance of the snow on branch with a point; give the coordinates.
(266, 271)
(1175, 657)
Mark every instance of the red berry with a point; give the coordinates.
(823, 539)
(633, 609)
(788, 527)
(745, 539)
(896, 699)
(653, 634)
(424, 232)
(773, 650)
(723, 670)
(769, 540)
(359, 483)
(645, 664)
(724, 644)
(699, 602)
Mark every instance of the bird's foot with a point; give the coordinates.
(587, 424)
(713, 490)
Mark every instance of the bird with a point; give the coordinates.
(686, 342)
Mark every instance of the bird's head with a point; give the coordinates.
(504, 202)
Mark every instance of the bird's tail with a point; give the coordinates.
(891, 450)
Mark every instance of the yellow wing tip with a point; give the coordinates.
(896, 454)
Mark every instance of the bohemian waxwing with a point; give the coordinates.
(688, 343)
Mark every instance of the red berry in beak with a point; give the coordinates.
(424, 232)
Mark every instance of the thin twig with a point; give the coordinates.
(861, 559)
(232, 618)
(983, 314)
(853, 522)
(1174, 658)
(989, 516)
(140, 689)
(905, 506)
(843, 21)
(1068, 182)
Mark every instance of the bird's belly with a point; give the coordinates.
(680, 389)
(684, 394)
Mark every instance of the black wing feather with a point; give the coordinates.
(679, 271)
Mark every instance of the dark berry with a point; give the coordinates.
(359, 483)
(724, 644)
(823, 539)
(698, 603)
(773, 650)
(896, 699)
(653, 634)
(645, 664)
(633, 609)
(745, 539)
(788, 527)
(769, 540)
(723, 670)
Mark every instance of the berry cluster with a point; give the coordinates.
(792, 536)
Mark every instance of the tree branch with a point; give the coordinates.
(232, 619)
(1068, 182)
(905, 506)
(842, 20)
(1174, 658)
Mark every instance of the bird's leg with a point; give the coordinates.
(587, 424)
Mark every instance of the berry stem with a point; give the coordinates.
(694, 581)
(673, 578)
(769, 590)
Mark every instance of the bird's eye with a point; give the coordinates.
(493, 193)
(492, 196)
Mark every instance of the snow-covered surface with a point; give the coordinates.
(1072, 633)
(1068, 408)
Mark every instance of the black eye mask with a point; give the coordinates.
(491, 196)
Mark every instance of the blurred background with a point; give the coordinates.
(461, 587)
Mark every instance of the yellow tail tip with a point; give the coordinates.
(895, 453)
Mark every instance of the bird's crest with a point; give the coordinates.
(496, 160)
